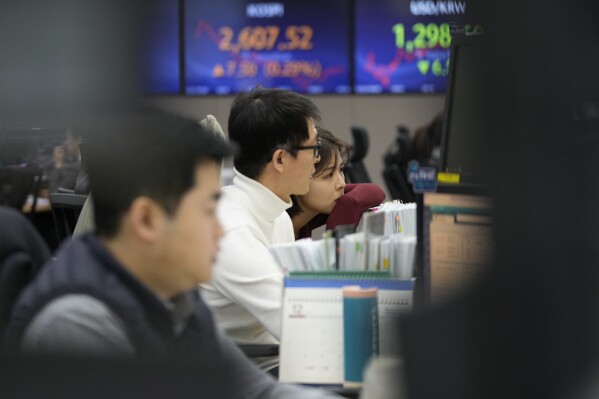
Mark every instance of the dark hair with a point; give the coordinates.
(329, 147)
(263, 120)
(426, 138)
(151, 154)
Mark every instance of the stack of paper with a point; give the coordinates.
(390, 238)
(304, 255)
(386, 241)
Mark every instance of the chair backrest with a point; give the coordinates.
(82, 185)
(65, 212)
(355, 169)
(22, 253)
(396, 182)
(398, 152)
(395, 162)
(361, 143)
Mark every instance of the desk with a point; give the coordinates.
(352, 393)
(42, 205)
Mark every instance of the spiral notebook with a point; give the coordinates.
(311, 349)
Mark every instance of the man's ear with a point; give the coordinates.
(279, 160)
(146, 219)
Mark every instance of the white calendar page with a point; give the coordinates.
(391, 305)
(311, 348)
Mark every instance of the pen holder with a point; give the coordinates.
(360, 332)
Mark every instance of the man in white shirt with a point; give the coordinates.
(278, 147)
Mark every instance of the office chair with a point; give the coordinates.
(65, 211)
(355, 169)
(395, 161)
(398, 186)
(22, 253)
(82, 185)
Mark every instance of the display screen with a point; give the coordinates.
(233, 45)
(402, 46)
(160, 70)
(465, 147)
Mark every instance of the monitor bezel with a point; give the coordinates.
(457, 42)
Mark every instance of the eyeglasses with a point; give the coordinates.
(315, 148)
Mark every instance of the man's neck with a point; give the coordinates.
(275, 186)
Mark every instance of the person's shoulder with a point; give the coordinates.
(71, 309)
(76, 323)
(284, 228)
(365, 193)
(372, 187)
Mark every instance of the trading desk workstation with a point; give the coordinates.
(419, 288)
(339, 316)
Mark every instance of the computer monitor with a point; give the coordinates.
(31, 145)
(464, 145)
(456, 240)
(232, 46)
(402, 46)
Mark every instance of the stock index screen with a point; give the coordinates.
(232, 46)
(402, 46)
